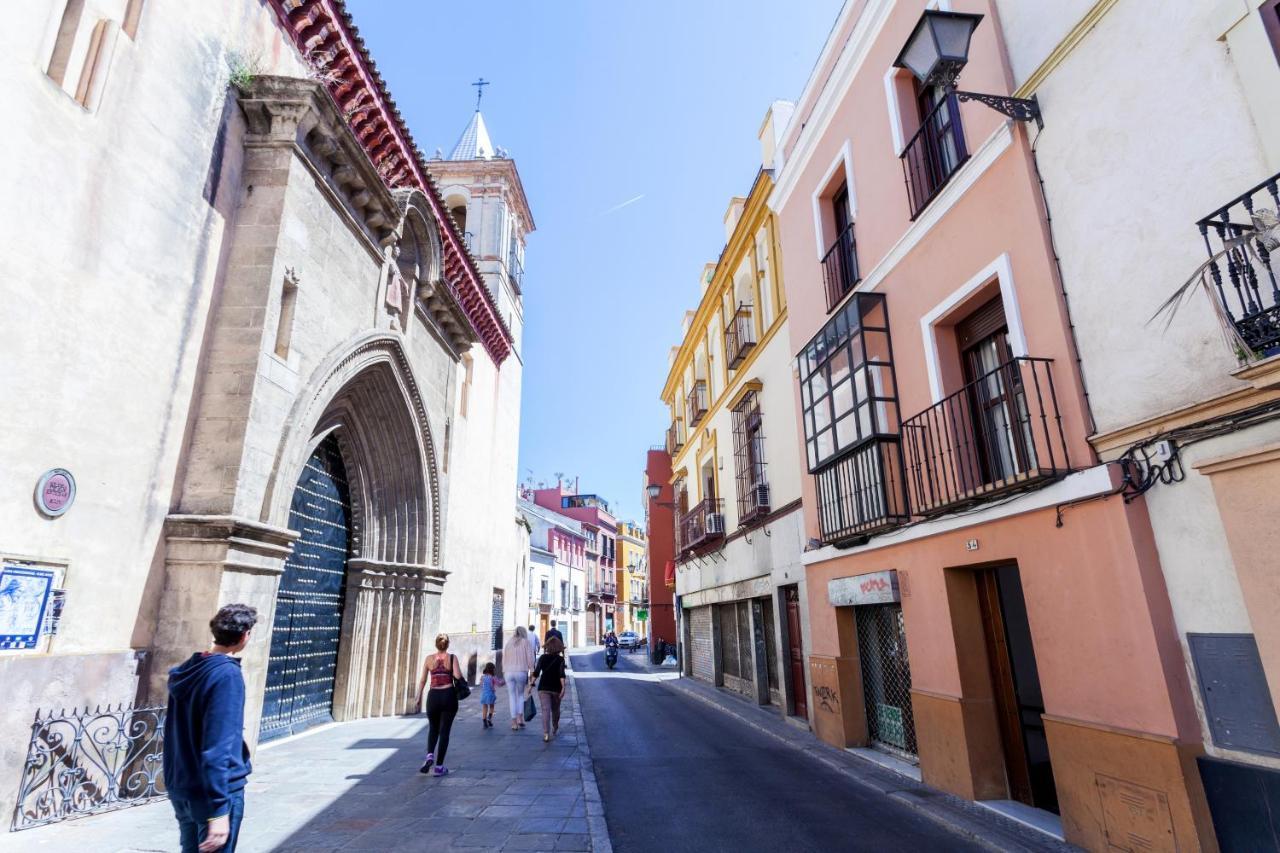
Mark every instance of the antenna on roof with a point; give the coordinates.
(480, 84)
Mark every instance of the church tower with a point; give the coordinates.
(487, 592)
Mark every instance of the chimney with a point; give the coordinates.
(775, 124)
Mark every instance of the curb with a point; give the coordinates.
(596, 825)
(960, 816)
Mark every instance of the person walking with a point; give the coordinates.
(206, 761)
(553, 631)
(488, 695)
(552, 679)
(440, 669)
(518, 659)
(537, 644)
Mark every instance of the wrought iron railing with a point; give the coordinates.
(515, 271)
(862, 492)
(1250, 293)
(609, 589)
(934, 153)
(703, 523)
(697, 403)
(840, 267)
(739, 336)
(89, 761)
(1000, 432)
(675, 437)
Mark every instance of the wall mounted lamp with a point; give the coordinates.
(937, 51)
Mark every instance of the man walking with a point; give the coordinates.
(537, 644)
(553, 631)
(206, 761)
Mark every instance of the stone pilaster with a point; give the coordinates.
(389, 621)
(210, 561)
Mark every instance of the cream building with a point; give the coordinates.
(1150, 143)
(241, 325)
(739, 579)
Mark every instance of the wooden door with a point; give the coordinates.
(795, 651)
(1016, 683)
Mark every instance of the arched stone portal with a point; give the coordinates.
(368, 408)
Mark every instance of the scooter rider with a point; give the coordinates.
(610, 649)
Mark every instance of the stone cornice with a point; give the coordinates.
(327, 40)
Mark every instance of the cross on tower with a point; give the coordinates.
(479, 84)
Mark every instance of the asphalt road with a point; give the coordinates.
(676, 774)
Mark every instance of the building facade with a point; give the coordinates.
(601, 531)
(660, 533)
(264, 307)
(739, 578)
(631, 579)
(557, 583)
(983, 603)
(481, 188)
(1194, 422)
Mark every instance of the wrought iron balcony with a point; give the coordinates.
(1249, 292)
(609, 590)
(675, 437)
(1001, 432)
(697, 403)
(862, 492)
(934, 153)
(702, 524)
(739, 336)
(515, 270)
(840, 267)
(753, 500)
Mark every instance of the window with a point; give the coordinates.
(840, 263)
(936, 150)
(748, 454)
(847, 388)
(564, 594)
(84, 44)
(1270, 12)
(466, 368)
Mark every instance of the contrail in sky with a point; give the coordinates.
(618, 207)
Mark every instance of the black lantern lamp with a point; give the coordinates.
(938, 50)
(655, 489)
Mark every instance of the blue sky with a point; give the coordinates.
(632, 124)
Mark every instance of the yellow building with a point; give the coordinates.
(633, 553)
(735, 466)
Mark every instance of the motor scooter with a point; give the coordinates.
(611, 656)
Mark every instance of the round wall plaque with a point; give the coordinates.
(55, 492)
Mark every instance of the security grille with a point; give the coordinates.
(499, 605)
(701, 654)
(748, 456)
(886, 676)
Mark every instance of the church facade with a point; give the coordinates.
(244, 343)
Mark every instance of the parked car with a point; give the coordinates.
(629, 640)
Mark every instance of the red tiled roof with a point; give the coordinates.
(325, 36)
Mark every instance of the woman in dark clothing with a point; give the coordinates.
(442, 703)
(552, 679)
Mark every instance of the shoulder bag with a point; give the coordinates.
(460, 686)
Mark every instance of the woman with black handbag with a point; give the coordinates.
(552, 678)
(447, 687)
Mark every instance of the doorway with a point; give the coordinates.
(886, 677)
(308, 621)
(1016, 683)
(795, 651)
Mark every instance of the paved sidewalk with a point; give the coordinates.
(356, 786)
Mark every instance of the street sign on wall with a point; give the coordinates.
(642, 615)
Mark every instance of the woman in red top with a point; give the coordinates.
(442, 703)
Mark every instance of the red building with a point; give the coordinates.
(661, 531)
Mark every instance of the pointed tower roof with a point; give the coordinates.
(474, 144)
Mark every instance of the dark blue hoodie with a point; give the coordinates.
(205, 756)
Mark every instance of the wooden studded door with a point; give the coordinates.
(308, 623)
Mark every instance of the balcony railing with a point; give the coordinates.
(1249, 292)
(934, 153)
(609, 589)
(515, 271)
(675, 437)
(840, 267)
(702, 524)
(862, 492)
(1003, 431)
(697, 403)
(739, 336)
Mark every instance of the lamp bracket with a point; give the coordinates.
(1021, 109)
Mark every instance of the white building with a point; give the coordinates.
(557, 573)
(1158, 128)
(482, 189)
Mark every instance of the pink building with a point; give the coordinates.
(601, 550)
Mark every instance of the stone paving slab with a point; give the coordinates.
(355, 786)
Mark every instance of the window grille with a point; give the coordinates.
(748, 454)
(886, 676)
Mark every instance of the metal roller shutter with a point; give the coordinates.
(702, 654)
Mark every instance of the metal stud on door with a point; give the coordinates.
(308, 622)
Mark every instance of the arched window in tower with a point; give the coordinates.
(459, 212)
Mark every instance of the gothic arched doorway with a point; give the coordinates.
(308, 620)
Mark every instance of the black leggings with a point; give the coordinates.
(442, 707)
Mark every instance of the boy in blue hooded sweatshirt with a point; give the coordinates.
(206, 761)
